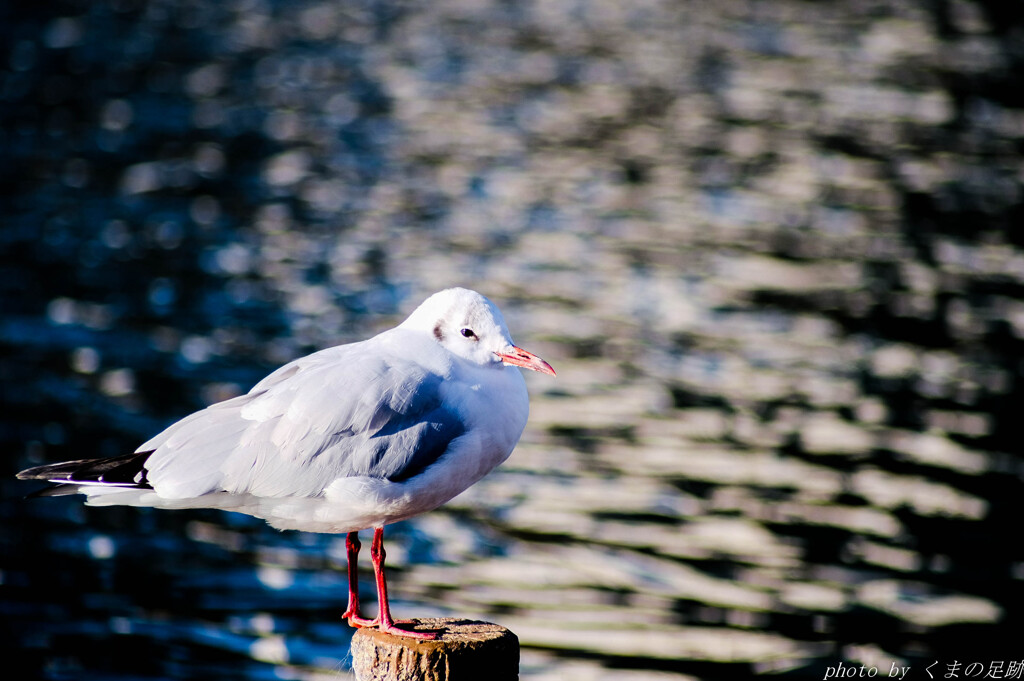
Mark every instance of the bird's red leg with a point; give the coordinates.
(351, 613)
(386, 623)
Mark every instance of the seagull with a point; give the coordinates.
(348, 438)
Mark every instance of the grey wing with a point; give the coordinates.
(330, 415)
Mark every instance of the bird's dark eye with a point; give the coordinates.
(468, 333)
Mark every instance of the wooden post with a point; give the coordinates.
(467, 650)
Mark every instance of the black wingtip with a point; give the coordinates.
(124, 470)
(57, 489)
(50, 470)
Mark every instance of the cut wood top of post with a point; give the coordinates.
(454, 632)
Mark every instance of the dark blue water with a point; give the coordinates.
(773, 251)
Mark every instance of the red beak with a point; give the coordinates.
(518, 357)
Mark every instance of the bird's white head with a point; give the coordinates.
(470, 326)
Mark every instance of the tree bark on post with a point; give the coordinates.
(465, 650)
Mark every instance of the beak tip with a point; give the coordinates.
(527, 360)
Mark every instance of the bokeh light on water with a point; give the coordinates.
(771, 248)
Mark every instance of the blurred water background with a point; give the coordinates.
(774, 250)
